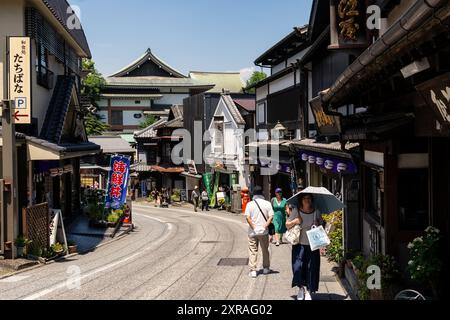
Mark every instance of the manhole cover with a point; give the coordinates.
(233, 262)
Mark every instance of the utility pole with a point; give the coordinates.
(9, 163)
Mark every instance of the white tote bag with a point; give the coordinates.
(293, 235)
(318, 238)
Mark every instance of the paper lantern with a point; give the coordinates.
(319, 161)
(329, 165)
(312, 159)
(304, 157)
(341, 167)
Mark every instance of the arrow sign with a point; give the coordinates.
(17, 115)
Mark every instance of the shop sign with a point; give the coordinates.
(19, 72)
(118, 182)
(348, 24)
(332, 164)
(327, 125)
(436, 94)
(192, 167)
(56, 229)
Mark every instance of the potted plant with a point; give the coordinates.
(58, 249)
(21, 243)
(73, 248)
(426, 265)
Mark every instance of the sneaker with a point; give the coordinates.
(277, 244)
(307, 296)
(301, 294)
(266, 271)
(253, 274)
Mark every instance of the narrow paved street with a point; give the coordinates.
(173, 254)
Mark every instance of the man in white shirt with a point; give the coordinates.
(259, 214)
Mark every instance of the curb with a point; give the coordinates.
(40, 265)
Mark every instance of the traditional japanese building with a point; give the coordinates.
(50, 148)
(401, 83)
(154, 164)
(147, 86)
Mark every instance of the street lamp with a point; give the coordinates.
(279, 131)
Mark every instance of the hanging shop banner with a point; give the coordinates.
(327, 125)
(436, 94)
(213, 202)
(118, 182)
(208, 182)
(348, 25)
(19, 72)
(329, 163)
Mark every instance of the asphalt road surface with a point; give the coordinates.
(173, 254)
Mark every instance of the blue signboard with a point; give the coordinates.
(119, 175)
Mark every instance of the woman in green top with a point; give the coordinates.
(279, 218)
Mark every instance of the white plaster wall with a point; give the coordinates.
(282, 83)
(171, 99)
(129, 120)
(130, 103)
(262, 92)
(104, 115)
(279, 67)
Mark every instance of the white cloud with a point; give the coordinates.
(246, 73)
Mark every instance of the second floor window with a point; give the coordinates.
(261, 113)
(44, 75)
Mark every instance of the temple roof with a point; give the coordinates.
(147, 57)
(229, 81)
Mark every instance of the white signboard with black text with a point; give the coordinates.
(19, 71)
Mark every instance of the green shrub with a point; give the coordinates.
(335, 251)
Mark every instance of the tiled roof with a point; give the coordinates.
(57, 110)
(150, 131)
(230, 81)
(312, 145)
(66, 147)
(233, 109)
(247, 104)
(19, 135)
(148, 55)
(59, 9)
(112, 144)
(152, 82)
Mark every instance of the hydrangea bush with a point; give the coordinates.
(425, 265)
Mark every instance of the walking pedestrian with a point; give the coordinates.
(305, 263)
(195, 197)
(279, 218)
(259, 214)
(205, 200)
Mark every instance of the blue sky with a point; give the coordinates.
(190, 35)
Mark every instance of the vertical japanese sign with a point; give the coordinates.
(118, 182)
(20, 78)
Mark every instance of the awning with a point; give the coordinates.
(333, 148)
(154, 168)
(112, 144)
(193, 176)
(39, 149)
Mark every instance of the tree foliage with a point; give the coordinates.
(148, 121)
(256, 77)
(91, 87)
